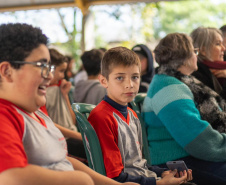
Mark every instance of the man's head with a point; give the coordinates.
(91, 61)
(60, 62)
(24, 65)
(120, 74)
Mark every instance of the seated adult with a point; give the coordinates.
(211, 66)
(175, 126)
(90, 91)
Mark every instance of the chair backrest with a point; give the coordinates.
(70, 94)
(137, 107)
(89, 137)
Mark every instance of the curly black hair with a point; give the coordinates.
(18, 40)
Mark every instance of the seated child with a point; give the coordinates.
(119, 130)
(32, 150)
(90, 91)
(59, 108)
(69, 74)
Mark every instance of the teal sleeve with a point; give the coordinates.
(210, 145)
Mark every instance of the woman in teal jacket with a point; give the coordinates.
(176, 129)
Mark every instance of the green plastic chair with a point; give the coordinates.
(89, 137)
(137, 107)
(70, 95)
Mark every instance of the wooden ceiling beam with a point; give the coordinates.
(36, 6)
(82, 4)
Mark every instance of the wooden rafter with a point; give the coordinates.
(82, 4)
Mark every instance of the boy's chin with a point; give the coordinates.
(41, 103)
(125, 103)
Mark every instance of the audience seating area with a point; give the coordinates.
(89, 137)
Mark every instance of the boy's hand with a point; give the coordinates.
(170, 179)
(189, 174)
(165, 173)
(65, 87)
(130, 183)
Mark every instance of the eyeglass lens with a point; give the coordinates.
(196, 51)
(46, 69)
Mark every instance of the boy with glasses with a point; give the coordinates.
(33, 151)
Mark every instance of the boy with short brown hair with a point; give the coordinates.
(118, 127)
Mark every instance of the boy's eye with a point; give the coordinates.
(135, 77)
(119, 78)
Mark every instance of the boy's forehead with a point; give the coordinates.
(125, 69)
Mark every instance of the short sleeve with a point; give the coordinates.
(12, 152)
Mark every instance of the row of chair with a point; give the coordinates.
(90, 139)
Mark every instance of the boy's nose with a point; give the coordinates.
(129, 84)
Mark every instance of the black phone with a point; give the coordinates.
(179, 165)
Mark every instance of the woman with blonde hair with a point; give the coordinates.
(211, 65)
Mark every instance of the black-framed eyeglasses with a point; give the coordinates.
(196, 51)
(46, 67)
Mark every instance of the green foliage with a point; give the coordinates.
(99, 42)
(72, 45)
(183, 16)
(147, 15)
(150, 21)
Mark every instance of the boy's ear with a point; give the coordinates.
(103, 81)
(6, 71)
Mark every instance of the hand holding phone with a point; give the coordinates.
(179, 165)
